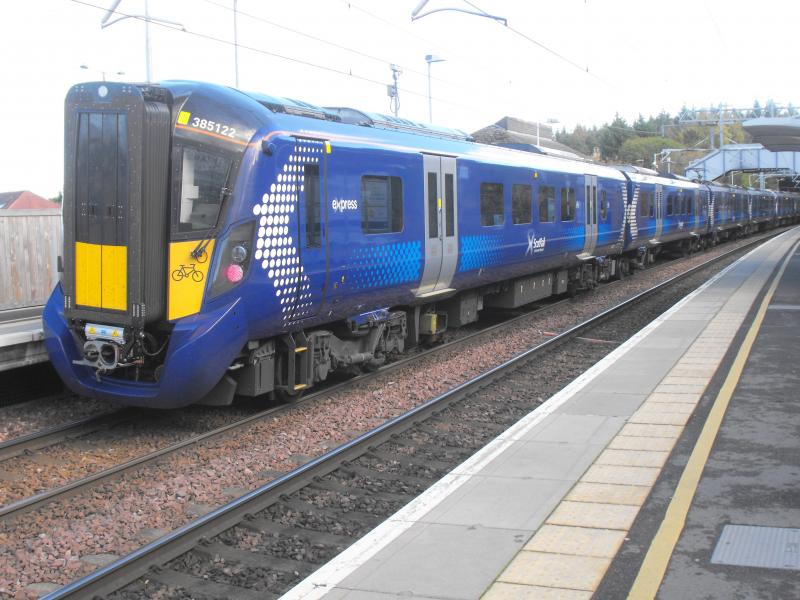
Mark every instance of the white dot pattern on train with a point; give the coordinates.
(276, 243)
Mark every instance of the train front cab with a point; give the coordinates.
(124, 323)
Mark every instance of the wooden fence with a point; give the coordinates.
(30, 242)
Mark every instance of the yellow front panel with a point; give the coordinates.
(88, 272)
(186, 278)
(115, 277)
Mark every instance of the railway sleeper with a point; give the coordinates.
(199, 588)
(218, 552)
(338, 488)
(271, 528)
(306, 509)
(407, 460)
(373, 475)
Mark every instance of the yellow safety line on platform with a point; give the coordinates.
(651, 573)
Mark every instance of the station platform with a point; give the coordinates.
(21, 338)
(670, 469)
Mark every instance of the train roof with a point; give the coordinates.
(352, 127)
(653, 177)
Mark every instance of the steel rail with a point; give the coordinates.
(58, 433)
(128, 568)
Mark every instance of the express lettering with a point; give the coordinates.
(341, 205)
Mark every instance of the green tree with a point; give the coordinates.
(613, 136)
(57, 199)
(640, 150)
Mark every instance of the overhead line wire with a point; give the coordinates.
(273, 54)
(328, 42)
(584, 70)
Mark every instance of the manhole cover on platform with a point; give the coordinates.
(751, 546)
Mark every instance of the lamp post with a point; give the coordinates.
(147, 20)
(103, 73)
(431, 58)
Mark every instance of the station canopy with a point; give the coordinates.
(778, 134)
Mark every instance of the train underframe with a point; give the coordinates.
(288, 365)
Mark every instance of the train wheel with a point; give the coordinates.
(284, 397)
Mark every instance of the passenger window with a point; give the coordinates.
(603, 207)
(567, 204)
(690, 207)
(670, 203)
(203, 182)
(433, 205)
(449, 203)
(311, 199)
(547, 204)
(492, 204)
(644, 209)
(381, 204)
(521, 203)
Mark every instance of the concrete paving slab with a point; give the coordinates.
(632, 458)
(621, 475)
(680, 408)
(594, 515)
(500, 502)
(650, 431)
(579, 541)
(543, 460)
(576, 429)
(659, 417)
(458, 551)
(555, 570)
(670, 397)
(608, 493)
(342, 594)
(603, 403)
(512, 591)
(626, 442)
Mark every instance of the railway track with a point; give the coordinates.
(263, 543)
(59, 433)
(27, 444)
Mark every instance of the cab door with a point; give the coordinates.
(441, 224)
(590, 216)
(309, 274)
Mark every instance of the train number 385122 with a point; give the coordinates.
(213, 126)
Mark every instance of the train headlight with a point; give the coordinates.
(234, 260)
(238, 254)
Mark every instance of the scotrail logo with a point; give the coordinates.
(341, 205)
(535, 244)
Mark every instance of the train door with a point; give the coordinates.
(590, 217)
(441, 223)
(310, 273)
(659, 211)
(696, 209)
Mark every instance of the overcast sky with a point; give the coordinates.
(641, 57)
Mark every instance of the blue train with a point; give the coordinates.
(218, 242)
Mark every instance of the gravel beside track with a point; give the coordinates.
(71, 537)
(144, 432)
(20, 419)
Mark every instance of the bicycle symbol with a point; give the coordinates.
(188, 271)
